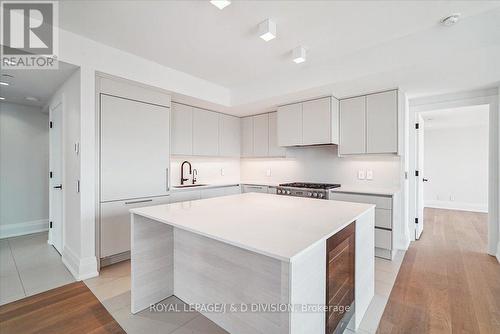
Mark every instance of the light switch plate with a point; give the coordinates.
(369, 174)
(361, 174)
(268, 172)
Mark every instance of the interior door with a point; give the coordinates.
(419, 224)
(135, 149)
(55, 177)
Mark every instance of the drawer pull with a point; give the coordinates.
(140, 201)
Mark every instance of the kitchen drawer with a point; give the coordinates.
(271, 190)
(246, 188)
(212, 192)
(185, 195)
(233, 190)
(380, 201)
(383, 238)
(115, 223)
(383, 218)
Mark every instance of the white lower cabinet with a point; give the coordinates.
(185, 195)
(233, 190)
(115, 223)
(212, 192)
(250, 188)
(384, 217)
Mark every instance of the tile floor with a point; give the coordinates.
(28, 265)
(112, 288)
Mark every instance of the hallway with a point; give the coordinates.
(447, 283)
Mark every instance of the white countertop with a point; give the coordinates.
(277, 226)
(356, 189)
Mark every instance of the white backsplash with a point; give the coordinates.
(322, 164)
(308, 164)
(209, 169)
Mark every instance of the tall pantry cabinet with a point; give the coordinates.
(134, 159)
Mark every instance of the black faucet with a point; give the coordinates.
(182, 171)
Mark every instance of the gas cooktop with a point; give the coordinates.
(307, 185)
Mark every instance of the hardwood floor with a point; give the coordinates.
(447, 283)
(71, 308)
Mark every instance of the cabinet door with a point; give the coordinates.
(212, 192)
(115, 223)
(290, 125)
(353, 126)
(261, 135)
(317, 122)
(247, 136)
(184, 196)
(229, 136)
(247, 188)
(182, 129)
(135, 149)
(274, 149)
(205, 132)
(234, 190)
(382, 122)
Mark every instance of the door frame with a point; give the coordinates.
(455, 100)
(51, 107)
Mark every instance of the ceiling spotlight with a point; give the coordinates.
(4, 83)
(450, 20)
(299, 54)
(221, 4)
(31, 98)
(2, 98)
(267, 30)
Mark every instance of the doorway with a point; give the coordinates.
(486, 99)
(55, 175)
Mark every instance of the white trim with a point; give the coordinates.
(498, 252)
(29, 227)
(461, 206)
(81, 269)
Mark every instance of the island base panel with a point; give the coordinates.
(152, 260)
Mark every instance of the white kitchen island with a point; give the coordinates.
(252, 263)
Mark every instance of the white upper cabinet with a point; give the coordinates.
(369, 124)
(247, 136)
(312, 122)
(182, 129)
(382, 122)
(229, 136)
(261, 135)
(274, 149)
(205, 132)
(290, 125)
(134, 149)
(353, 126)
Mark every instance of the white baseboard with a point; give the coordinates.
(461, 206)
(81, 269)
(14, 230)
(498, 252)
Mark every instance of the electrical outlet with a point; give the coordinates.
(369, 174)
(268, 172)
(361, 174)
(452, 198)
(222, 172)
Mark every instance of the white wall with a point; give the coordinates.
(456, 164)
(209, 169)
(24, 168)
(321, 164)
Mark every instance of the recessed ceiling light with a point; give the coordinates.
(221, 4)
(267, 30)
(299, 54)
(31, 98)
(450, 20)
(2, 98)
(4, 83)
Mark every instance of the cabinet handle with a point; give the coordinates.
(167, 182)
(139, 201)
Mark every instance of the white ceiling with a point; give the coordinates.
(41, 84)
(353, 46)
(457, 117)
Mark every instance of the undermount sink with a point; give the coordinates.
(190, 185)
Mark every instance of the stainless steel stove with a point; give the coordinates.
(305, 189)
